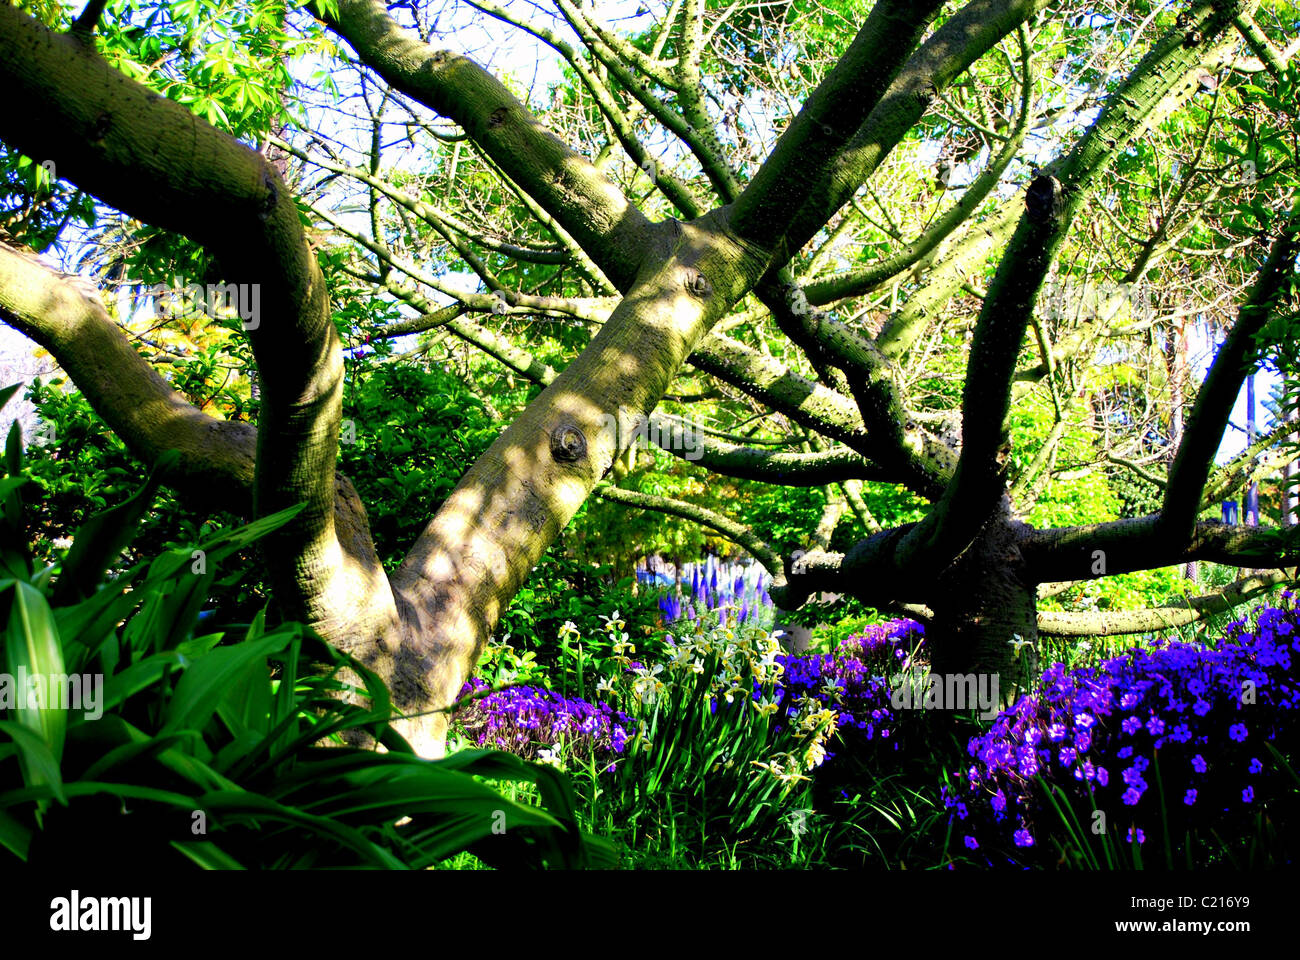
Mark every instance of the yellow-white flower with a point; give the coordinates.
(550, 756)
(791, 777)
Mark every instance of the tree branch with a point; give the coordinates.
(737, 533)
(829, 118)
(950, 50)
(152, 158)
(590, 208)
(1052, 201)
(1112, 623)
(217, 456)
(1097, 550)
(1218, 394)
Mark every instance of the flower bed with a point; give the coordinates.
(1165, 741)
(857, 679)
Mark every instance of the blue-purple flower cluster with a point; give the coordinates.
(856, 681)
(1174, 730)
(527, 720)
(717, 597)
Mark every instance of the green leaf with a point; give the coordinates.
(206, 681)
(7, 394)
(39, 766)
(208, 855)
(35, 653)
(14, 837)
(137, 677)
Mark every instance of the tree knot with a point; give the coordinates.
(698, 284)
(568, 445)
(103, 123)
(1044, 197)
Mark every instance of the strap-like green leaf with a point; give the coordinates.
(34, 654)
(208, 678)
(39, 766)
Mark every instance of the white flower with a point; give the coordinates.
(550, 756)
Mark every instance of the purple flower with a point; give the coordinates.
(1189, 798)
(1237, 732)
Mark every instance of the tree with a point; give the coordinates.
(780, 283)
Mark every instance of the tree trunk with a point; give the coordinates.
(1176, 359)
(986, 611)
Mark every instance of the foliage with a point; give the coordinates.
(408, 434)
(135, 730)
